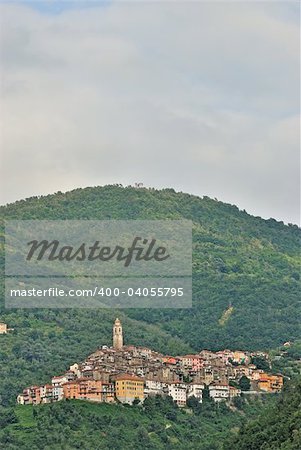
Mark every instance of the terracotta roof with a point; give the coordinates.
(77, 381)
(127, 376)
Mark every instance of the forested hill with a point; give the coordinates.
(239, 260)
(276, 428)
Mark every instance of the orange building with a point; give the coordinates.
(270, 383)
(128, 388)
(83, 389)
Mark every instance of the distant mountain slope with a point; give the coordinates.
(239, 260)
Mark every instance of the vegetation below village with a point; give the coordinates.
(246, 286)
(275, 425)
(159, 424)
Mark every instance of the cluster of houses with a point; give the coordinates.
(128, 374)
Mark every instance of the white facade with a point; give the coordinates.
(153, 387)
(195, 390)
(57, 393)
(3, 328)
(219, 392)
(57, 389)
(75, 369)
(46, 393)
(178, 392)
(20, 399)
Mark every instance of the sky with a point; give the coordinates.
(203, 97)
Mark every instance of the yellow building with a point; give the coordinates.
(128, 388)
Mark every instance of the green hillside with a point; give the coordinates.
(265, 423)
(277, 428)
(70, 425)
(239, 260)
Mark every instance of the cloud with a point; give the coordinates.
(201, 97)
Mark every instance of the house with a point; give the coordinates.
(195, 390)
(270, 383)
(193, 362)
(70, 390)
(224, 356)
(21, 399)
(30, 396)
(207, 355)
(75, 369)
(103, 375)
(256, 374)
(219, 392)
(129, 388)
(169, 360)
(234, 392)
(153, 387)
(57, 388)
(240, 357)
(239, 371)
(59, 380)
(108, 392)
(46, 393)
(83, 389)
(3, 328)
(207, 375)
(178, 392)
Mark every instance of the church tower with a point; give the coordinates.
(117, 335)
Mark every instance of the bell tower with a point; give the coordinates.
(117, 335)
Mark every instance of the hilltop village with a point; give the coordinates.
(127, 374)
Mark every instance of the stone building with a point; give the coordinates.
(117, 335)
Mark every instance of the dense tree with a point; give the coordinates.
(261, 363)
(158, 424)
(277, 427)
(244, 383)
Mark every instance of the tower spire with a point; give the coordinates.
(117, 335)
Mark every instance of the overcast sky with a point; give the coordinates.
(201, 97)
